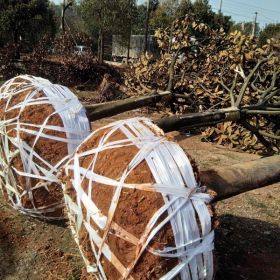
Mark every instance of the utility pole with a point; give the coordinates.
(254, 29)
(147, 25)
(221, 4)
(129, 16)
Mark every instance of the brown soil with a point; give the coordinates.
(50, 150)
(134, 210)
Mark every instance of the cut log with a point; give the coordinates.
(242, 177)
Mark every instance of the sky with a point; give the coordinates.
(244, 10)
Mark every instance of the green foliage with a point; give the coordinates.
(108, 17)
(74, 20)
(102, 14)
(270, 31)
(169, 10)
(25, 21)
(138, 26)
(164, 14)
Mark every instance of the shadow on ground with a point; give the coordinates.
(247, 249)
(7, 251)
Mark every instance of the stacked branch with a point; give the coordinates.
(209, 70)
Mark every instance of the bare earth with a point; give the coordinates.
(247, 240)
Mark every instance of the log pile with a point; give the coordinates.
(41, 124)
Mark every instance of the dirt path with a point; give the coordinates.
(247, 241)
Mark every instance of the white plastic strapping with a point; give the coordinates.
(175, 180)
(75, 126)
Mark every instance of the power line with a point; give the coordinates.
(235, 10)
(253, 6)
(262, 13)
(230, 13)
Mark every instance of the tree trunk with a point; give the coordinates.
(99, 111)
(102, 47)
(62, 17)
(17, 52)
(100, 51)
(64, 8)
(187, 121)
(128, 47)
(192, 120)
(239, 178)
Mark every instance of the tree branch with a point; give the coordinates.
(257, 133)
(248, 78)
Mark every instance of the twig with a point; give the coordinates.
(248, 78)
(266, 98)
(231, 89)
(257, 133)
(261, 112)
(269, 135)
(270, 88)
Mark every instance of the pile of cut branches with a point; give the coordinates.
(58, 62)
(208, 69)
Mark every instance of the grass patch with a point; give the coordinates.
(265, 208)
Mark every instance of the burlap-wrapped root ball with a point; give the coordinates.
(40, 125)
(135, 206)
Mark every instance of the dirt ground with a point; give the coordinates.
(247, 242)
